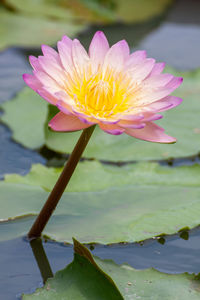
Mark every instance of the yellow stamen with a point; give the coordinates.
(103, 94)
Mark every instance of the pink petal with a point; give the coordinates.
(116, 56)
(34, 63)
(111, 128)
(128, 124)
(135, 58)
(157, 81)
(65, 52)
(64, 107)
(149, 95)
(52, 69)
(151, 117)
(152, 133)
(48, 51)
(165, 103)
(52, 54)
(63, 122)
(80, 56)
(142, 70)
(134, 117)
(47, 81)
(45, 94)
(157, 69)
(174, 83)
(84, 118)
(98, 48)
(32, 81)
(67, 41)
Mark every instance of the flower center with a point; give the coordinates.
(102, 95)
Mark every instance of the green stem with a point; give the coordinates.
(41, 259)
(60, 185)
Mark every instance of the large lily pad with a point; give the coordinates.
(31, 110)
(88, 278)
(108, 204)
(83, 279)
(181, 122)
(94, 176)
(30, 31)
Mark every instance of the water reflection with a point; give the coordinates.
(19, 272)
(41, 259)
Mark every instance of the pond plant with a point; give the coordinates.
(133, 198)
(109, 87)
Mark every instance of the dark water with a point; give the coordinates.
(174, 38)
(19, 272)
(13, 157)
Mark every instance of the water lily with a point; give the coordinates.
(119, 91)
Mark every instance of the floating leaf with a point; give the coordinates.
(82, 279)
(108, 204)
(110, 176)
(31, 111)
(88, 278)
(31, 31)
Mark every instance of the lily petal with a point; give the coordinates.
(111, 128)
(65, 123)
(98, 48)
(32, 81)
(152, 133)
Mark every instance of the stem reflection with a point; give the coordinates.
(41, 259)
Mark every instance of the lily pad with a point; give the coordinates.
(94, 176)
(88, 278)
(108, 204)
(32, 31)
(181, 122)
(31, 110)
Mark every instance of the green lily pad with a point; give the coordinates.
(88, 278)
(108, 204)
(181, 122)
(31, 110)
(82, 279)
(31, 31)
(94, 176)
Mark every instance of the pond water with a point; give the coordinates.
(174, 38)
(19, 272)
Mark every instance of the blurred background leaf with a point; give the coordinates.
(30, 23)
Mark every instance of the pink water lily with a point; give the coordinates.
(119, 91)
